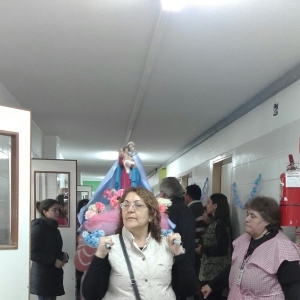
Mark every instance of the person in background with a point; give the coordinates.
(160, 266)
(206, 218)
(265, 263)
(79, 274)
(46, 273)
(215, 246)
(181, 215)
(63, 211)
(63, 191)
(192, 197)
(80, 205)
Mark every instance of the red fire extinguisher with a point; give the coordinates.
(290, 195)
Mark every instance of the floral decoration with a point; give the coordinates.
(94, 209)
(103, 218)
(113, 196)
(164, 204)
(92, 238)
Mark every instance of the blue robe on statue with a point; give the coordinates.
(112, 180)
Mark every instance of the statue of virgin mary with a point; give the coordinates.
(127, 171)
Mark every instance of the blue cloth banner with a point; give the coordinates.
(236, 198)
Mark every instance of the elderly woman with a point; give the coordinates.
(265, 263)
(160, 266)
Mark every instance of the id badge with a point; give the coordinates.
(239, 277)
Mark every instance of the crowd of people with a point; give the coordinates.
(196, 259)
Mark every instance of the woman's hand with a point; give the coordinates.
(206, 290)
(59, 264)
(102, 249)
(175, 248)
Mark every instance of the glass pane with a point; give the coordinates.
(53, 185)
(82, 195)
(5, 196)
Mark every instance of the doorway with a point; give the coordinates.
(222, 177)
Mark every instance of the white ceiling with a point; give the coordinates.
(97, 73)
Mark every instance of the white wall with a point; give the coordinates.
(14, 275)
(258, 142)
(36, 141)
(7, 99)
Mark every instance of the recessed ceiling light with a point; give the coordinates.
(178, 5)
(108, 155)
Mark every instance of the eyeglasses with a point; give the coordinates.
(136, 205)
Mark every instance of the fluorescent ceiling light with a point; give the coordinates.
(108, 155)
(178, 5)
(4, 156)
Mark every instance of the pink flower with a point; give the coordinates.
(113, 195)
(100, 206)
(89, 213)
(119, 193)
(106, 193)
(162, 208)
(114, 198)
(113, 202)
(93, 208)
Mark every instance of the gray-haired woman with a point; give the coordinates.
(265, 263)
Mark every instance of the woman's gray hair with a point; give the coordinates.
(171, 187)
(269, 210)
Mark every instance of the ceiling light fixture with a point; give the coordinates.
(108, 155)
(4, 156)
(178, 5)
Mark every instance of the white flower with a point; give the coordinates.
(165, 202)
(85, 234)
(93, 208)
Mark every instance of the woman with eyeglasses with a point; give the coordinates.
(160, 266)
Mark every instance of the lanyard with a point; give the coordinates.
(241, 269)
(245, 260)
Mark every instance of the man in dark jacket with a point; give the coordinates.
(192, 197)
(180, 214)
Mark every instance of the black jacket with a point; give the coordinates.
(46, 247)
(183, 217)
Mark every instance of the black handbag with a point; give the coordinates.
(132, 280)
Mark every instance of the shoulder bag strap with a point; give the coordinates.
(132, 280)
